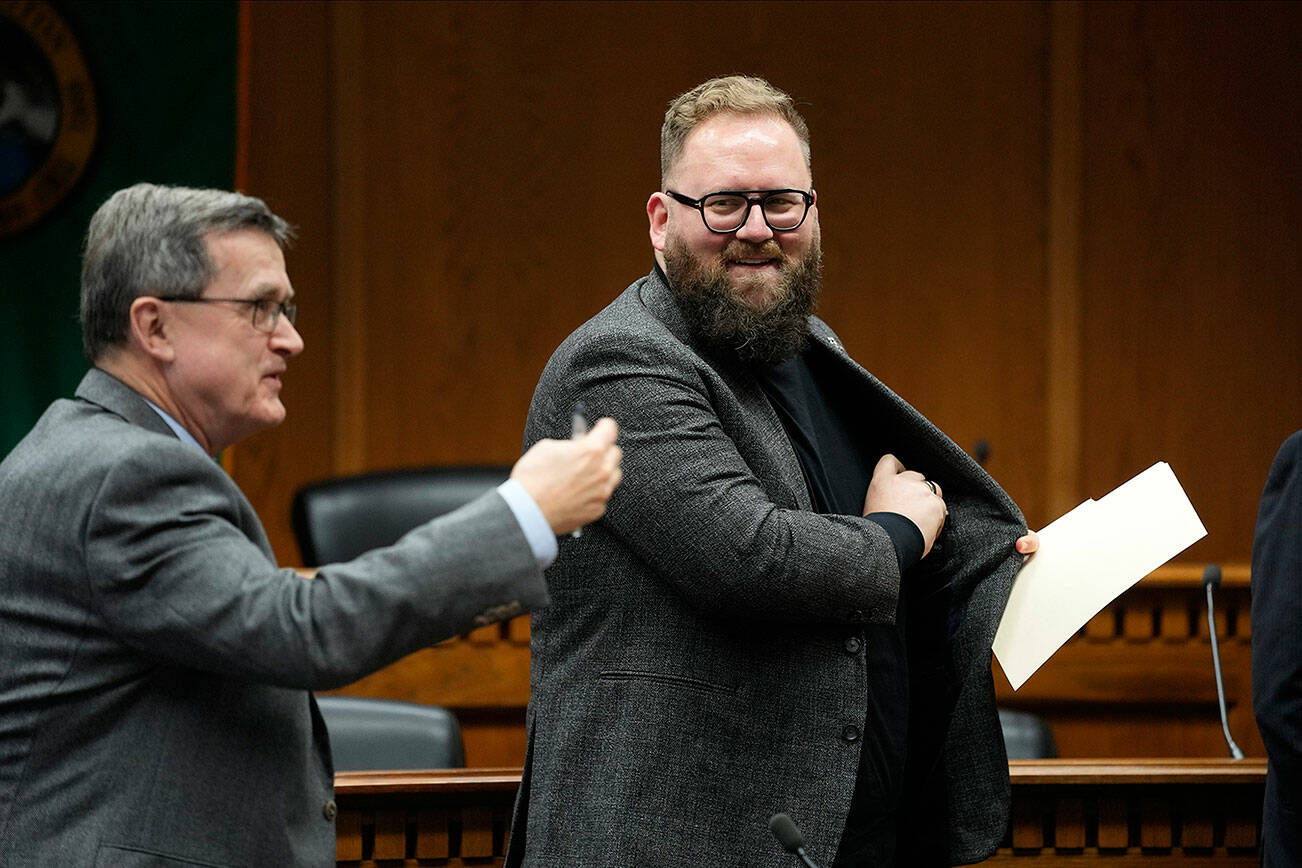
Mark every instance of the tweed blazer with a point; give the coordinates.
(696, 671)
(155, 664)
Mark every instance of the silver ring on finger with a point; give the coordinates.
(932, 486)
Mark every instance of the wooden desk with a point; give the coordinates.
(1151, 812)
(1136, 811)
(447, 817)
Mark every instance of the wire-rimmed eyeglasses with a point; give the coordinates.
(728, 210)
(266, 311)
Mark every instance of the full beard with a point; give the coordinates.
(718, 313)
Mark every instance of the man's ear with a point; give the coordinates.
(150, 328)
(657, 212)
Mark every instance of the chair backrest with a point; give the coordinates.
(339, 519)
(372, 734)
(1026, 735)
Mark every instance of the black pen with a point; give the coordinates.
(578, 428)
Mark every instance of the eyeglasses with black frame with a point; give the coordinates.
(266, 311)
(728, 210)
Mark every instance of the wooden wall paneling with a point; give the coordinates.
(930, 160)
(468, 193)
(496, 200)
(289, 146)
(505, 181)
(1190, 240)
(489, 193)
(1062, 282)
(352, 100)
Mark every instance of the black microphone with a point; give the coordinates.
(790, 838)
(1212, 578)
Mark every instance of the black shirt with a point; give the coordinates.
(836, 466)
(836, 452)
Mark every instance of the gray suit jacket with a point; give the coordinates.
(155, 664)
(694, 674)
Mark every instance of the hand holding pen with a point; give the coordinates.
(571, 480)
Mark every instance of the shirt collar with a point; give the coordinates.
(184, 435)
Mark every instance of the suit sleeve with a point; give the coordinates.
(691, 506)
(1277, 618)
(174, 574)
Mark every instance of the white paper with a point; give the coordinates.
(1087, 558)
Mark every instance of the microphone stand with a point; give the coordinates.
(1235, 751)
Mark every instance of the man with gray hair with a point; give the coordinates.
(790, 603)
(155, 664)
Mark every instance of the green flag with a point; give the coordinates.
(160, 107)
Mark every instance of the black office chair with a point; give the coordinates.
(373, 734)
(1026, 735)
(339, 519)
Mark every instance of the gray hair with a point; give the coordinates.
(731, 94)
(149, 240)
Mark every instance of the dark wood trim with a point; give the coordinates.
(1118, 811)
(1145, 771)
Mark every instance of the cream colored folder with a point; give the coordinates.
(1087, 558)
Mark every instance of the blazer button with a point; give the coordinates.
(850, 733)
(853, 645)
(330, 810)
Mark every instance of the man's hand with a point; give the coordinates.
(1029, 544)
(571, 480)
(909, 493)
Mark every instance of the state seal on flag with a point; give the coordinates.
(48, 115)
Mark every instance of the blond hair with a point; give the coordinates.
(731, 94)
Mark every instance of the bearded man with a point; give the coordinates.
(789, 605)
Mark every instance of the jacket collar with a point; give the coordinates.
(655, 294)
(107, 391)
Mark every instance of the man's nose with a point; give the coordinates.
(286, 339)
(755, 229)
